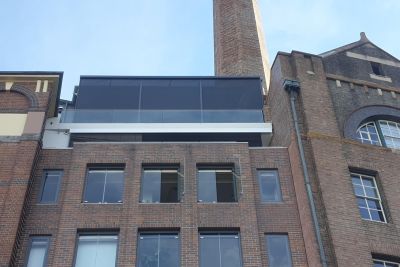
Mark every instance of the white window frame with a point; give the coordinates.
(379, 199)
(384, 262)
(369, 140)
(391, 135)
(383, 139)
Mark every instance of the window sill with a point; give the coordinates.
(380, 78)
(273, 203)
(216, 203)
(159, 203)
(88, 203)
(372, 221)
(48, 204)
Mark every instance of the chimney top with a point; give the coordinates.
(363, 37)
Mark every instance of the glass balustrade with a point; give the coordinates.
(161, 116)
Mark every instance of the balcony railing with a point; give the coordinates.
(161, 116)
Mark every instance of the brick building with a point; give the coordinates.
(158, 171)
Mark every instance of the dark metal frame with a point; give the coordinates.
(160, 166)
(219, 232)
(43, 182)
(153, 231)
(276, 171)
(103, 166)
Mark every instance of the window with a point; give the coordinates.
(368, 198)
(104, 185)
(37, 256)
(216, 185)
(391, 133)
(381, 132)
(382, 263)
(279, 254)
(270, 189)
(160, 185)
(158, 250)
(377, 68)
(96, 250)
(50, 187)
(220, 250)
(368, 134)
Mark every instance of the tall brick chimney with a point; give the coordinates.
(239, 44)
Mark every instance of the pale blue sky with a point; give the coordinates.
(171, 37)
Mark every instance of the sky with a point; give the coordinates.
(172, 37)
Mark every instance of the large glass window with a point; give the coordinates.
(51, 186)
(368, 197)
(216, 185)
(96, 250)
(270, 189)
(220, 250)
(382, 132)
(160, 185)
(279, 254)
(158, 250)
(384, 263)
(37, 256)
(104, 185)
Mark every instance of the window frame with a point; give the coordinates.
(104, 168)
(266, 235)
(219, 233)
(159, 233)
(161, 167)
(276, 172)
(95, 233)
(381, 137)
(365, 197)
(28, 252)
(215, 168)
(379, 66)
(43, 183)
(384, 262)
(378, 132)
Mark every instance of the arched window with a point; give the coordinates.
(380, 133)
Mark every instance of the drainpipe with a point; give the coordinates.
(293, 87)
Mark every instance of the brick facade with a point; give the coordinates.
(332, 88)
(249, 215)
(238, 40)
(336, 90)
(18, 156)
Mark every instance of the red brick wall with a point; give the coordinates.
(17, 158)
(348, 240)
(253, 218)
(236, 41)
(13, 101)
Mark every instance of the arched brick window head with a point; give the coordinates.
(375, 125)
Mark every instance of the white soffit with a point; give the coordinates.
(164, 127)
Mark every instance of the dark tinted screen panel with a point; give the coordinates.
(170, 94)
(108, 94)
(232, 94)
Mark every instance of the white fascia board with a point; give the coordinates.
(163, 127)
